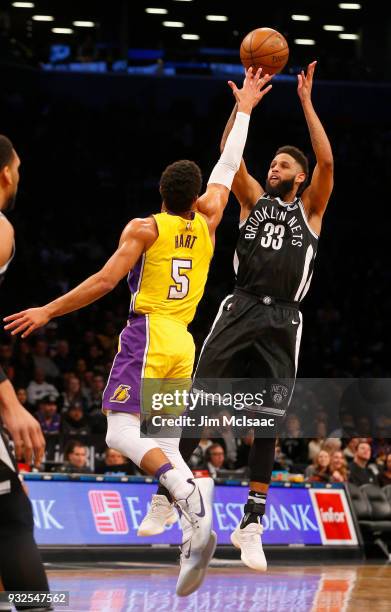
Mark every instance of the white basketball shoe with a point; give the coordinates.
(160, 514)
(250, 543)
(198, 541)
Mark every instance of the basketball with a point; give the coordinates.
(266, 48)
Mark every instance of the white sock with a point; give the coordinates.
(176, 484)
(170, 447)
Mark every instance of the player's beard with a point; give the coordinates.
(281, 189)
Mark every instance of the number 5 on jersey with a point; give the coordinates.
(182, 281)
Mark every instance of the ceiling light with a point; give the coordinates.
(23, 4)
(349, 36)
(174, 24)
(84, 24)
(349, 5)
(190, 37)
(217, 18)
(333, 28)
(300, 17)
(42, 18)
(62, 30)
(304, 41)
(156, 11)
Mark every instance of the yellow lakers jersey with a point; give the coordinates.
(169, 279)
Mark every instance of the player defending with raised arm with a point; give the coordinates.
(167, 257)
(257, 331)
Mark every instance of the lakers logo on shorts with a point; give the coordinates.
(121, 394)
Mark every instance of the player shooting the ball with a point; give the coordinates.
(257, 331)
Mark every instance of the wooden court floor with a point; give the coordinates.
(311, 588)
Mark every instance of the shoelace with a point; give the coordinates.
(156, 505)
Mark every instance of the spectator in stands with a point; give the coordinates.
(114, 462)
(350, 449)
(320, 470)
(293, 445)
(75, 458)
(47, 415)
(43, 361)
(24, 363)
(94, 395)
(197, 460)
(215, 458)
(63, 358)
(75, 422)
(6, 356)
(21, 394)
(315, 445)
(73, 394)
(338, 467)
(360, 473)
(39, 387)
(243, 449)
(332, 445)
(281, 463)
(385, 475)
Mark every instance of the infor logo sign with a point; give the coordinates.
(334, 518)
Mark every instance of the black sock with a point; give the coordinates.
(254, 509)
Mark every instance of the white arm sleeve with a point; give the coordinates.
(224, 171)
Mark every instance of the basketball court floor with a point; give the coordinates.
(135, 587)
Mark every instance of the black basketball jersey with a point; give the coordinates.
(276, 250)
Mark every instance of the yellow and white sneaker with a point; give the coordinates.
(160, 514)
(250, 543)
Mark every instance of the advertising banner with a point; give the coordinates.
(95, 513)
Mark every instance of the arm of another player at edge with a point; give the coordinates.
(137, 236)
(245, 187)
(316, 196)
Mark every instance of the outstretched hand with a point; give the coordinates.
(251, 92)
(304, 86)
(27, 321)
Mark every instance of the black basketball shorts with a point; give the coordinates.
(256, 340)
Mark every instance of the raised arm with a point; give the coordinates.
(137, 236)
(246, 188)
(212, 203)
(316, 196)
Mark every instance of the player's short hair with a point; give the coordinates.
(180, 184)
(6, 151)
(301, 159)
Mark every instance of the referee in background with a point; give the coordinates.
(21, 567)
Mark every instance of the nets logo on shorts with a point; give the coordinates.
(108, 512)
(334, 517)
(121, 394)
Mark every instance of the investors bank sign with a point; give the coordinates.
(97, 513)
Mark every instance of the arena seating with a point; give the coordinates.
(372, 506)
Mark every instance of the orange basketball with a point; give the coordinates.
(264, 48)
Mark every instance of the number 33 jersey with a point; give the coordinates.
(169, 279)
(276, 250)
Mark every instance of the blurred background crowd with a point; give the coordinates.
(93, 148)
